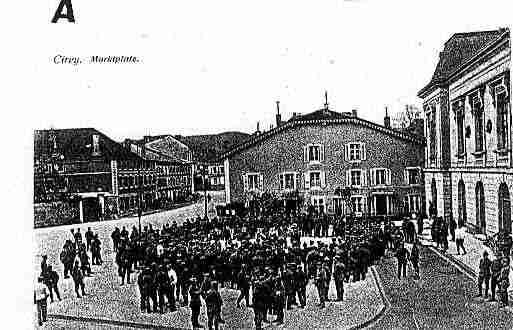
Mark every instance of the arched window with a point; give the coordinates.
(480, 208)
(462, 204)
(504, 209)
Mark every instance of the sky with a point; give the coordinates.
(214, 66)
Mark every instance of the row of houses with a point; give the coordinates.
(84, 169)
(461, 166)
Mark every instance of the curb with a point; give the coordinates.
(111, 322)
(386, 304)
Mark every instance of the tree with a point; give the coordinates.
(404, 119)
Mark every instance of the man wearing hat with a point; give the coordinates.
(78, 279)
(195, 302)
(214, 303)
(484, 274)
(301, 281)
(320, 283)
(40, 297)
(339, 275)
(504, 282)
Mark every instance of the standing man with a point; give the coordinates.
(243, 281)
(301, 281)
(195, 303)
(402, 257)
(214, 303)
(40, 297)
(96, 251)
(484, 274)
(320, 283)
(89, 235)
(452, 226)
(51, 281)
(460, 238)
(414, 258)
(78, 279)
(495, 269)
(339, 275)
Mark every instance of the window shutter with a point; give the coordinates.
(372, 176)
(406, 176)
(323, 179)
(321, 156)
(296, 181)
(348, 178)
(282, 179)
(305, 154)
(260, 182)
(307, 180)
(363, 151)
(364, 178)
(346, 151)
(245, 181)
(388, 176)
(364, 205)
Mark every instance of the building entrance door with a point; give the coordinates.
(91, 209)
(290, 205)
(381, 204)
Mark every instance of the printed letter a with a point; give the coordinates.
(69, 12)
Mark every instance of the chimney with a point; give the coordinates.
(278, 116)
(387, 118)
(146, 139)
(354, 112)
(257, 128)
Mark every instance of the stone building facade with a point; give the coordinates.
(467, 105)
(309, 159)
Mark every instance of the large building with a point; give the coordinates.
(467, 105)
(81, 174)
(308, 160)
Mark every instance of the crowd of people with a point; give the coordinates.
(185, 264)
(75, 259)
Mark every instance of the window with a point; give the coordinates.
(355, 151)
(338, 204)
(254, 181)
(477, 109)
(380, 177)
(357, 204)
(412, 175)
(459, 113)
(318, 204)
(501, 97)
(413, 203)
(315, 179)
(314, 153)
(356, 178)
(432, 134)
(288, 180)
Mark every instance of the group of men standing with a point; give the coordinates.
(75, 259)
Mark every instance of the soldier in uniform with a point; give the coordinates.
(163, 286)
(339, 275)
(214, 303)
(243, 280)
(78, 279)
(51, 280)
(484, 274)
(301, 281)
(259, 300)
(495, 269)
(195, 302)
(402, 257)
(320, 283)
(144, 283)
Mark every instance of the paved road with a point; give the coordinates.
(442, 299)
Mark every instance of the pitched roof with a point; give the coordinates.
(208, 148)
(458, 51)
(170, 147)
(316, 118)
(76, 144)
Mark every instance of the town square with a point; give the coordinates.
(346, 166)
